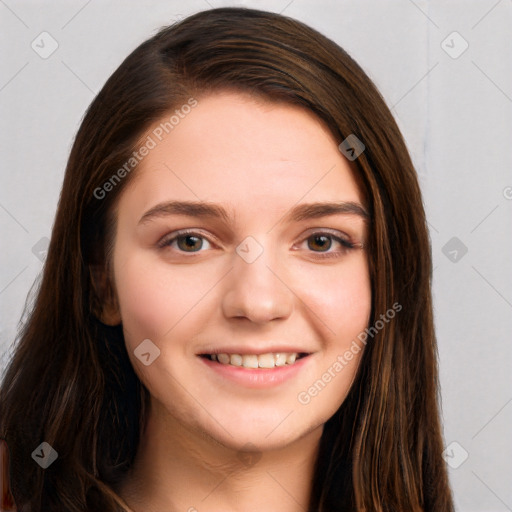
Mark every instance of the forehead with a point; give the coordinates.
(245, 153)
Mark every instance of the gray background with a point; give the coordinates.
(455, 112)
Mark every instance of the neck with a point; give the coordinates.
(177, 469)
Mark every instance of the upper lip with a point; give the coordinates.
(246, 350)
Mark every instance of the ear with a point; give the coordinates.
(105, 305)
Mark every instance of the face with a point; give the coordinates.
(240, 304)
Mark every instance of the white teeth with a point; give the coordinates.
(223, 358)
(250, 361)
(266, 361)
(236, 360)
(269, 360)
(280, 359)
(290, 358)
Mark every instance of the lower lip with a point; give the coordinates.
(257, 378)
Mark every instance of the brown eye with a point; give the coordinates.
(189, 242)
(185, 242)
(328, 245)
(321, 242)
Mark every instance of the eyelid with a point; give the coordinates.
(169, 237)
(335, 233)
(326, 231)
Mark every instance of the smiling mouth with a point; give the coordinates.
(257, 361)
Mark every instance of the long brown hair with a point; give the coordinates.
(70, 382)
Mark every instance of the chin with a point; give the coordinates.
(260, 433)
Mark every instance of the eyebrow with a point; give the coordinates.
(296, 214)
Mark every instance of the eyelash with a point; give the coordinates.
(345, 244)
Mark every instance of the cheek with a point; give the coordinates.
(153, 299)
(340, 297)
(340, 300)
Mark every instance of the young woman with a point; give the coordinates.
(235, 312)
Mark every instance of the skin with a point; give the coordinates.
(211, 444)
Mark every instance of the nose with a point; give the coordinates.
(259, 291)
